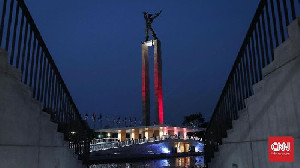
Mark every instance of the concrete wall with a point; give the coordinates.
(28, 139)
(273, 110)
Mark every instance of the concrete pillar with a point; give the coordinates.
(186, 147)
(158, 83)
(131, 134)
(136, 134)
(146, 133)
(122, 135)
(156, 133)
(161, 132)
(143, 133)
(175, 131)
(165, 131)
(150, 133)
(119, 135)
(170, 132)
(184, 133)
(109, 135)
(145, 85)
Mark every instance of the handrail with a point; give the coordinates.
(266, 32)
(28, 52)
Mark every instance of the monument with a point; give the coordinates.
(157, 73)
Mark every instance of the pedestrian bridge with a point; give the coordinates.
(101, 144)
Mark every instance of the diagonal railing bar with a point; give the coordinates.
(20, 36)
(268, 29)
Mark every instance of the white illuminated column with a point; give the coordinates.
(161, 132)
(175, 131)
(131, 134)
(184, 133)
(146, 133)
(119, 135)
(165, 130)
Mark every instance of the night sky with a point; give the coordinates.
(96, 45)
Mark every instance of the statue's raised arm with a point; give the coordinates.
(145, 15)
(157, 14)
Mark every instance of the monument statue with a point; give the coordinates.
(149, 18)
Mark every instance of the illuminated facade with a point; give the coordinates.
(147, 140)
(157, 82)
(156, 131)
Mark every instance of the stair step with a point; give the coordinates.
(258, 87)
(14, 73)
(79, 163)
(49, 134)
(46, 116)
(226, 140)
(66, 144)
(3, 61)
(33, 123)
(249, 100)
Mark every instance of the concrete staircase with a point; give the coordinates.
(28, 139)
(273, 110)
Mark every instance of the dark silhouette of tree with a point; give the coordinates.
(193, 120)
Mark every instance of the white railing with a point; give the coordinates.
(98, 145)
(105, 144)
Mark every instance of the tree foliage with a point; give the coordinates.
(196, 120)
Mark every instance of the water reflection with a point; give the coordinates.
(191, 161)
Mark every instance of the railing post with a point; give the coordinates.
(2, 21)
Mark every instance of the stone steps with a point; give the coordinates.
(273, 110)
(26, 131)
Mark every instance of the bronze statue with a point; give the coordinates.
(149, 19)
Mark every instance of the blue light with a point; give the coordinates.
(165, 150)
(199, 147)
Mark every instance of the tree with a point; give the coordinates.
(195, 120)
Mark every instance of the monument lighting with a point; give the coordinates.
(149, 43)
(157, 73)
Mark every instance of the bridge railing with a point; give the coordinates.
(28, 53)
(100, 144)
(267, 30)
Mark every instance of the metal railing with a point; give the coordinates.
(28, 52)
(116, 144)
(101, 144)
(267, 31)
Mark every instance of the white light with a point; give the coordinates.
(165, 150)
(149, 43)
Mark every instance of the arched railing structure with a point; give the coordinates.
(28, 52)
(267, 31)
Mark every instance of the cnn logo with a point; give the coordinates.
(281, 149)
(277, 146)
